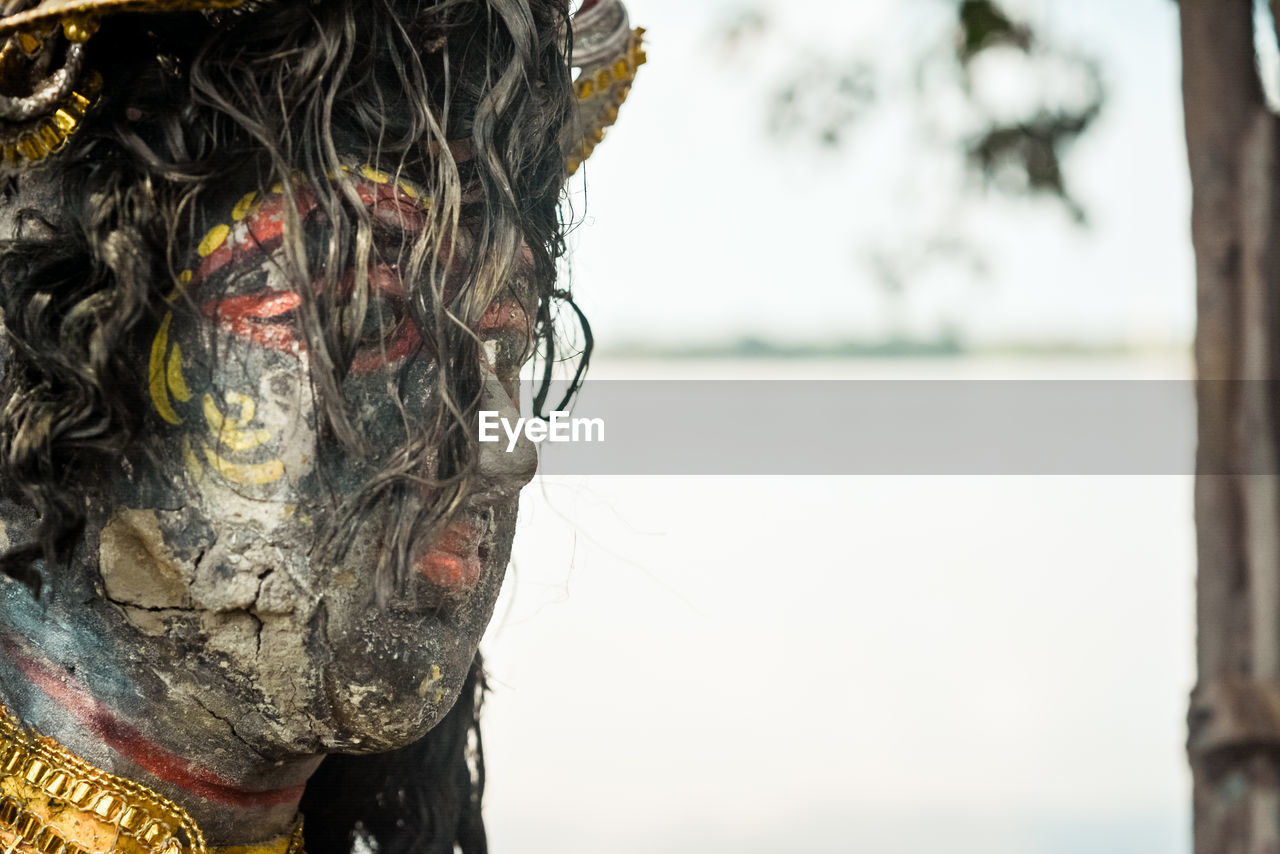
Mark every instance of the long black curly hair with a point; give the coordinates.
(465, 98)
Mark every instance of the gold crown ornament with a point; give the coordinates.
(45, 88)
(606, 52)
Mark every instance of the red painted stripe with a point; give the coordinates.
(406, 341)
(250, 316)
(127, 741)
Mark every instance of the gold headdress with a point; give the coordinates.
(607, 53)
(46, 89)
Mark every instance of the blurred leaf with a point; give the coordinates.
(983, 24)
(1015, 144)
(1025, 156)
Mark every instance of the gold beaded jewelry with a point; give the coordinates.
(43, 107)
(53, 802)
(33, 141)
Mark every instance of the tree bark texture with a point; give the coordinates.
(1232, 147)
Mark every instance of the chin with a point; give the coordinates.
(387, 675)
(390, 723)
(391, 678)
(380, 714)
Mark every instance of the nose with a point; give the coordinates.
(504, 472)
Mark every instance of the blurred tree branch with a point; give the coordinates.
(958, 96)
(823, 96)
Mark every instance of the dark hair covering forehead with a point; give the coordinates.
(466, 98)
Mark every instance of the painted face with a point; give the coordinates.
(215, 551)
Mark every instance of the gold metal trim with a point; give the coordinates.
(601, 91)
(53, 802)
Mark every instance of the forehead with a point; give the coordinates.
(241, 233)
(244, 232)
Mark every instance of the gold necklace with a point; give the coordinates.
(53, 802)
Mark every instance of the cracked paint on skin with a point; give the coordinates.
(246, 425)
(196, 603)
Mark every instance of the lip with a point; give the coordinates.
(455, 561)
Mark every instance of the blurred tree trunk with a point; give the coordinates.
(1234, 720)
